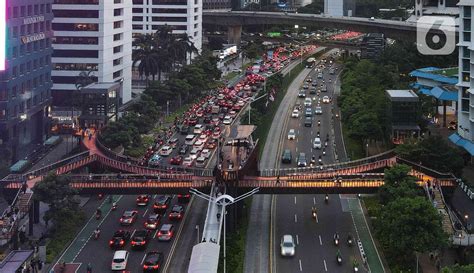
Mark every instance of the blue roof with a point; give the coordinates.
(19, 166)
(434, 77)
(428, 69)
(425, 91)
(463, 143)
(443, 94)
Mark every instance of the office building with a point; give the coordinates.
(403, 111)
(338, 8)
(25, 76)
(216, 4)
(373, 45)
(435, 8)
(92, 37)
(465, 131)
(183, 16)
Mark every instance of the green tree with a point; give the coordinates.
(146, 55)
(409, 225)
(459, 269)
(316, 7)
(398, 184)
(433, 152)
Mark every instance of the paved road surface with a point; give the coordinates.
(315, 250)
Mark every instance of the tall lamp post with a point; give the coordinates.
(223, 200)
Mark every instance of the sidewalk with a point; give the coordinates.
(363, 232)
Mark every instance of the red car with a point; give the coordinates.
(211, 144)
(216, 135)
(142, 200)
(177, 160)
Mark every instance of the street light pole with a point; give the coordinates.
(167, 108)
(225, 216)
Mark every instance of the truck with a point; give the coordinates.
(310, 62)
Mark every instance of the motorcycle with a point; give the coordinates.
(326, 199)
(114, 207)
(324, 152)
(336, 241)
(98, 213)
(349, 241)
(96, 234)
(339, 259)
(319, 123)
(326, 143)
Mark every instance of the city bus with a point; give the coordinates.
(310, 62)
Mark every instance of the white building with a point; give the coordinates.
(95, 36)
(334, 7)
(465, 131)
(435, 8)
(184, 16)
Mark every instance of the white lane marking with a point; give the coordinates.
(154, 235)
(301, 267)
(296, 149)
(295, 200)
(296, 219)
(314, 200)
(145, 212)
(133, 233)
(325, 266)
(297, 240)
(144, 255)
(320, 240)
(317, 220)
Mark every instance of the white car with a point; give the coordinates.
(166, 150)
(198, 144)
(291, 134)
(188, 161)
(307, 102)
(227, 120)
(206, 153)
(198, 128)
(200, 162)
(317, 143)
(326, 99)
(194, 152)
(287, 245)
(295, 113)
(119, 261)
(318, 110)
(203, 138)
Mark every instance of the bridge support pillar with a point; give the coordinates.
(36, 212)
(31, 219)
(234, 34)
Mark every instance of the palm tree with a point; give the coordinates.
(188, 45)
(145, 55)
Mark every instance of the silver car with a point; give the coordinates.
(287, 246)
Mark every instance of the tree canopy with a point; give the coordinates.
(398, 184)
(409, 224)
(433, 152)
(469, 268)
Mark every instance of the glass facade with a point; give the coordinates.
(25, 85)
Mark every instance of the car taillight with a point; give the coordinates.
(121, 219)
(179, 215)
(159, 233)
(133, 243)
(111, 242)
(122, 242)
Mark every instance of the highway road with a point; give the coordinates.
(98, 253)
(315, 250)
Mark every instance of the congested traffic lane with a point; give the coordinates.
(99, 254)
(315, 250)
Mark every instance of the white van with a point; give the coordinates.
(190, 139)
(119, 262)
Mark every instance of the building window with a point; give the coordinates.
(467, 12)
(118, 12)
(467, 24)
(117, 74)
(75, 27)
(467, 36)
(117, 61)
(195, 34)
(465, 105)
(137, 27)
(117, 49)
(117, 37)
(76, 13)
(118, 24)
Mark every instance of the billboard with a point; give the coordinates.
(274, 34)
(3, 30)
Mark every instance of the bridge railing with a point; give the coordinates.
(134, 161)
(137, 177)
(425, 170)
(47, 168)
(329, 167)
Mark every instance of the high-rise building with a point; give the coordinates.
(435, 8)
(216, 4)
(465, 131)
(92, 37)
(25, 76)
(183, 16)
(373, 45)
(339, 7)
